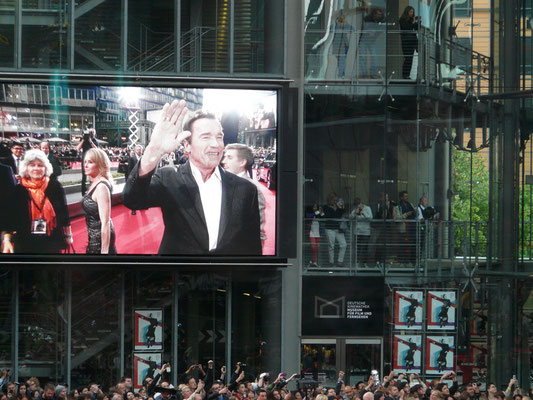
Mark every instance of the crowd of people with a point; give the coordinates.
(198, 383)
(381, 232)
(66, 152)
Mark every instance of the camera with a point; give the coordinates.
(375, 377)
(429, 213)
(305, 384)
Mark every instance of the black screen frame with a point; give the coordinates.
(286, 204)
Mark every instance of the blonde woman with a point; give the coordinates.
(97, 203)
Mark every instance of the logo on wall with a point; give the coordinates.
(408, 309)
(440, 351)
(330, 308)
(408, 353)
(441, 310)
(149, 329)
(144, 366)
(341, 305)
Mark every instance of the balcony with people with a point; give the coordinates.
(389, 44)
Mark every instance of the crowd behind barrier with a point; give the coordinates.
(68, 154)
(209, 383)
(385, 242)
(383, 232)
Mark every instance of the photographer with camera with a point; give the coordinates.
(512, 388)
(362, 215)
(424, 213)
(470, 391)
(88, 142)
(442, 386)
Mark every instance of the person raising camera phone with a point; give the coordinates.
(88, 141)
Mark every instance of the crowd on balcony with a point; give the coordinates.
(198, 383)
(381, 232)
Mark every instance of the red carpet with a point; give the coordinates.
(141, 233)
(135, 234)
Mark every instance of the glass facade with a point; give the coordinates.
(89, 316)
(404, 177)
(190, 37)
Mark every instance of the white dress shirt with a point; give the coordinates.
(420, 212)
(17, 163)
(211, 197)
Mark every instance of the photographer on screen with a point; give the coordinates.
(88, 142)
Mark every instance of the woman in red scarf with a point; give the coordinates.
(41, 221)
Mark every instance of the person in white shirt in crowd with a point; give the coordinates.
(362, 215)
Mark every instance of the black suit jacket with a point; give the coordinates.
(10, 162)
(56, 166)
(132, 161)
(7, 183)
(174, 189)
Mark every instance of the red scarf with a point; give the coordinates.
(41, 208)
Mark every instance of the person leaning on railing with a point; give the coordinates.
(362, 215)
(406, 230)
(334, 209)
(315, 212)
(409, 28)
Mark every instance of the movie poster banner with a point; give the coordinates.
(441, 310)
(440, 352)
(144, 366)
(408, 309)
(148, 329)
(408, 353)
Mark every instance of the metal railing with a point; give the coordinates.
(397, 245)
(376, 54)
(200, 50)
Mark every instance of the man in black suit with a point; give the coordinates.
(15, 158)
(205, 210)
(56, 165)
(88, 142)
(132, 161)
(7, 183)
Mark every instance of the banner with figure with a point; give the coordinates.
(440, 351)
(408, 309)
(148, 329)
(441, 310)
(408, 353)
(144, 366)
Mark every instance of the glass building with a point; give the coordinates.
(388, 113)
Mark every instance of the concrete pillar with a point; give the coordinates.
(291, 277)
(503, 305)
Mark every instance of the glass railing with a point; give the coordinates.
(377, 55)
(347, 245)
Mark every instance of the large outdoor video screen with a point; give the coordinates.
(97, 170)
